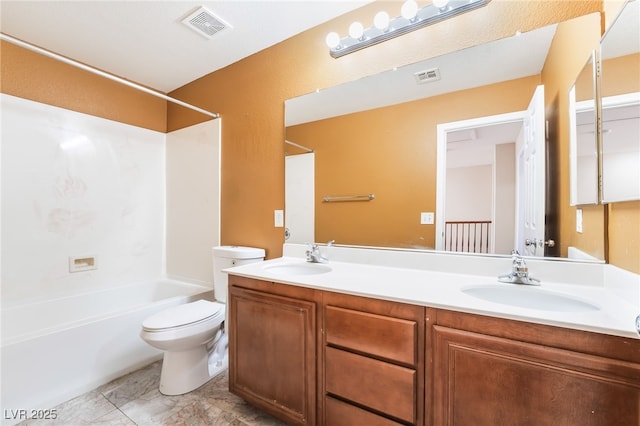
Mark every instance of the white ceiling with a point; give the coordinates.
(476, 146)
(146, 42)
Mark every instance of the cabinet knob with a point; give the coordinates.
(638, 324)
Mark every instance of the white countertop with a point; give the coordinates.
(439, 289)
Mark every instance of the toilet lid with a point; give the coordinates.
(181, 315)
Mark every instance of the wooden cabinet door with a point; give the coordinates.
(272, 353)
(488, 380)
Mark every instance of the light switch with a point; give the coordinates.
(579, 220)
(278, 218)
(427, 218)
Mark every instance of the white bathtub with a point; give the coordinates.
(55, 350)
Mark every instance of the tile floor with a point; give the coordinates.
(134, 399)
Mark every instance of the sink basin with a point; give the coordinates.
(298, 269)
(530, 298)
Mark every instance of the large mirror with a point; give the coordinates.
(620, 88)
(374, 162)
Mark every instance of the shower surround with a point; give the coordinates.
(75, 185)
(78, 186)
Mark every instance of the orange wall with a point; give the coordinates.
(250, 96)
(29, 75)
(624, 235)
(391, 152)
(621, 75)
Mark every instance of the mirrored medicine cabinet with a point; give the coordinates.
(604, 107)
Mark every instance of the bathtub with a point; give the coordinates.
(54, 350)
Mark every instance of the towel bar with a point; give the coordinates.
(331, 199)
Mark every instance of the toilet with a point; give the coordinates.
(192, 335)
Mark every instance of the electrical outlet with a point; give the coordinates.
(278, 218)
(427, 218)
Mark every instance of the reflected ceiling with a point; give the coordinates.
(482, 65)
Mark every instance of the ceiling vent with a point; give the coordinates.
(205, 22)
(427, 76)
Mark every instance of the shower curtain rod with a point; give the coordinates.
(96, 71)
(299, 146)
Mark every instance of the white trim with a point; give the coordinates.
(626, 99)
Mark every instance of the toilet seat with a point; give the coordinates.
(185, 315)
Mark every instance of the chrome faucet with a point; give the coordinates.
(519, 272)
(314, 255)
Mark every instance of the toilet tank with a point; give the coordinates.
(226, 257)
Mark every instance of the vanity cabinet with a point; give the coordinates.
(309, 356)
(272, 347)
(318, 357)
(373, 361)
(490, 371)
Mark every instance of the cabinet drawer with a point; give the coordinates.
(381, 386)
(378, 335)
(339, 413)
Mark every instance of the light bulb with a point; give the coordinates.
(440, 3)
(409, 9)
(332, 40)
(356, 30)
(381, 20)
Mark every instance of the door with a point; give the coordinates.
(272, 351)
(530, 174)
(530, 177)
(299, 198)
(485, 380)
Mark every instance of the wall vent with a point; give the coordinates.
(205, 22)
(427, 76)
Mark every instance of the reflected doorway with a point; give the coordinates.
(299, 198)
(480, 204)
(495, 168)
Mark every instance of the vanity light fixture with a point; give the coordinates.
(412, 17)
